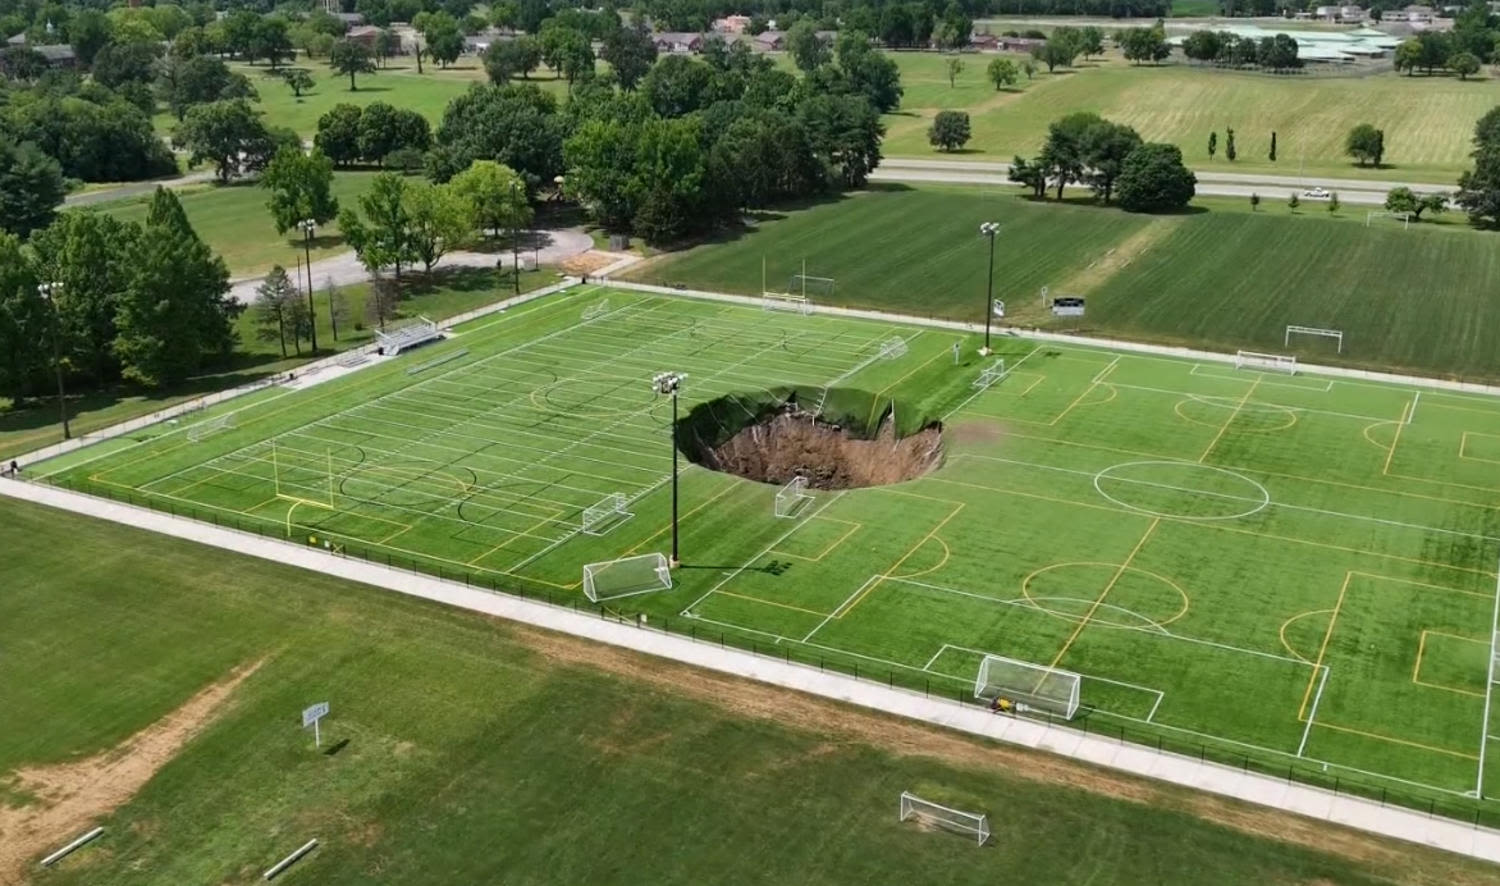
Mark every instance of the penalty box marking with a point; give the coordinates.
(982, 652)
(1416, 671)
(1463, 445)
(853, 528)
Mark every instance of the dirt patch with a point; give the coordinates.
(589, 262)
(1120, 257)
(792, 444)
(1400, 862)
(71, 797)
(977, 432)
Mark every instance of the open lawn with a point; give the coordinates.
(499, 754)
(234, 222)
(1418, 300)
(1269, 569)
(1428, 122)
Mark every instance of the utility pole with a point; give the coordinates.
(670, 383)
(989, 229)
(308, 226)
(48, 292)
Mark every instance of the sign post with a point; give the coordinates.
(311, 716)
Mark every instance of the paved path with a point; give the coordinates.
(1137, 760)
(344, 269)
(134, 189)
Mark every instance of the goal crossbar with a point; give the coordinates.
(626, 577)
(777, 301)
(1031, 685)
(990, 374)
(606, 515)
(1336, 334)
(791, 497)
(1379, 213)
(210, 427)
(976, 823)
(893, 347)
(1273, 362)
(596, 310)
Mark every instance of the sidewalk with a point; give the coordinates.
(1366, 815)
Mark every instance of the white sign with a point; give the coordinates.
(999, 309)
(312, 715)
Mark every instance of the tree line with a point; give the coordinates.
(1112, 160)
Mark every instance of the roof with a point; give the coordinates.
(57, 52)
(676, 37)
(17, 40)
(352, 18)
(363, 31)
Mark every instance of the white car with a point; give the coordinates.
(1316, 194)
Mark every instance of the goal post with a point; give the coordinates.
(1336, 334)
(1035, 686)
(1268, 362)
(791, 497)
(210, 427)
(626, 577)
(946, 817)
(893, 347)
(807, 286)
(990, 374)
(606, 515)
(1374, 214)
(777, 301)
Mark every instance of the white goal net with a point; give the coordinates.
(807, 285)
(596, 310)
(773, 301)
(893, 347)
(946, 817)
(606, 515)
(791, 497)
(626, 577)
(990, 374)
(1029, 685)
(1336, 334)
(208, 428)
(1268, 362)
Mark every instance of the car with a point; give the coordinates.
(1316, 194)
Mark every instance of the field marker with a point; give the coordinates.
(1155, 521)
(1229, 421)
(1489, 689)
(1313, 714)
(1416, 398)
(1327, 635)
(1396, 438)
(290, 860)
(1098, 378)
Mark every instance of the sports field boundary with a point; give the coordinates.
(1113, 344)
(1277, 793)
(333, 361)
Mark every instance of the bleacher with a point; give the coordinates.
(407, 334)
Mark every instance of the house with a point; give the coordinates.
(1018, 44)
(770, 41)
(364, 35)
(677, 41)
(58, 55)
(985, 42)
(476, 44)
(350, 19)
(732, 24)
(1417, 15)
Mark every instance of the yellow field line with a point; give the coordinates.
(667, 527)
(1087, 616)
(556, 512)
(848, 607)
(1333, 618)
(1098, 377)
(1230, 420)
(1422, 584)
(853, 528)
(1401, 741)
(905, 377)
(773, 603)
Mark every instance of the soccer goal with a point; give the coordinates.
(606, 515)
(1030, 685)
(893, 347)
(1404, 216)
(946, 817)
(596, 310)
(809, 286)
(408, 334)
(776, 301)
(626, 577)
(1336, 334)
(990, 374)
(204, 429)
(1269, 362)
(791, 497)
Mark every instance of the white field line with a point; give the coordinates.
(1313, 713)
(829, 617)
(1489, 688)
(1324, 388)
(969, 399)
(1415, 399)
(1252, 406)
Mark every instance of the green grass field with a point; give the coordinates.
(1418, 300)
(1293, 569)
(468, 741)
(1428, 122)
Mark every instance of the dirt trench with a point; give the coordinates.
(792, 443)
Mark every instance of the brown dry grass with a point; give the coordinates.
(72, 797)
(1399, 862)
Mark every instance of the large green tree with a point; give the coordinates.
(301, 187)
(91, 254)
(381, 231)
(232, 136)
(25, 324)
(31, 187)
(1366, 144)
(1153, 178)
(949, 130)
(350, 59)
(517, 125)
(202, 80)
(1479, 188)
(1105, 147)
(439, 220)
(630, 53)
(498, 195)
(807, 49)
(338, 133)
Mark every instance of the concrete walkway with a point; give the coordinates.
(1396, 823)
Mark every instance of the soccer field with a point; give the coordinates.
(1294, 568)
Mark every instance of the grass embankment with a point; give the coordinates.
(491, 752)
(1417, 300)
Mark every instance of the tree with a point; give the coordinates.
(203, 80)
(439, 221)
(1366, 144)
(630, 53)
(845, 132)
(25, 326)
(955, 67)
(338, 133)
(949, 130)
(515, 125)
(299, 79)
(1144, 45)
(1106, 146)
(497, 194)
(90, 254)
(382, 237)
(387, 44)
(1293, 201)
(269, 312)
(1203, 45)
(1064, 155)
(1031, 175)
(1254, 202)
(301, 187)
(1154, 179)
(89, 31)
(1464, 64)
(1479, 188)
(1091, 41)
(384, 129)
(23, 63)
(1273, 146)
(805, 47)
(121, 63)
(1408, 56)
(352, 59)
(677, 85)
(384, 301)
(1002, 72)
(229, 133)
(338, 305)
(1058, 51)
(1334, 203)
(31, 187)
(1028, 67)
(1213, 144)
(569, 52)
(1229, 150)
(174, 309)
(868, 71)
(1403, 199)
(445, 46)
(1435, 48)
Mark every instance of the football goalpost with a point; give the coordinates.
(791, 497)
(946, 817)
(1336, 334)
(1031, 686)
(626, 577)
(1404, 216)
(1270, 362)
(799, 293)
(205, 429)
(606, 515)
(990, 374)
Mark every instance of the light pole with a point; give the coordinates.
(989, 229)
(47, 291)
(669, 383)
(308, 226)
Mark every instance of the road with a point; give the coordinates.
(1210, 182)
(136, 188)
